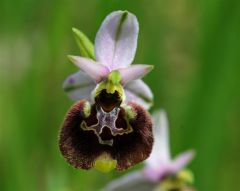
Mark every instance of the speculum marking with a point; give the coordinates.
(107, 119)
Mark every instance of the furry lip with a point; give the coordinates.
(81, 148)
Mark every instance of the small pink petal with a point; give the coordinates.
(134, 72)
(154, 174)
(181, 161)
(95, 70)
(133, 181)
(116, 40)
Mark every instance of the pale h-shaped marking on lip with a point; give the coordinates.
(107, 119)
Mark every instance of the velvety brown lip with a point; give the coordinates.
(81, 148)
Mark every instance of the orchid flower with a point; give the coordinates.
(160, 171)
(108, 131)
(115, 47)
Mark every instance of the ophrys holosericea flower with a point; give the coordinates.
(109, 122)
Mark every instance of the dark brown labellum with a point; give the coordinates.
(84, 138)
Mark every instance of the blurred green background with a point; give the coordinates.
(195, 47)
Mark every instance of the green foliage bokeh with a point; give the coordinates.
(195, 48)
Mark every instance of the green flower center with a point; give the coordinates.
(109, 93)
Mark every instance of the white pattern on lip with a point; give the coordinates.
(106, 119)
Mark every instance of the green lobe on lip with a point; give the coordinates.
(105, 163)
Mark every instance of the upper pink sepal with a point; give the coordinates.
(116, 40)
